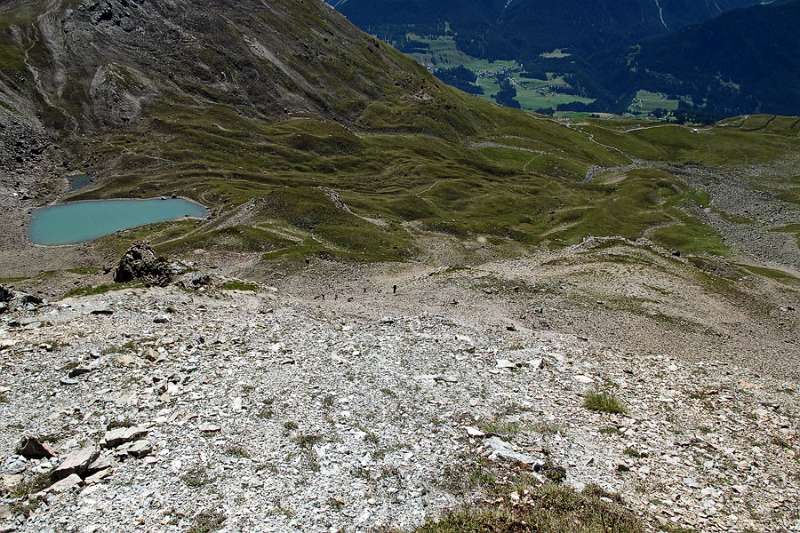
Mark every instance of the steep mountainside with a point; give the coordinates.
(522, 29)
(744, 61)
(102, 62)
(707, 59)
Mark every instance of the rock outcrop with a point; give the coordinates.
(140, 263)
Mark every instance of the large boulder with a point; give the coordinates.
(140, 263)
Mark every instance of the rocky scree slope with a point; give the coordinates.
(162, 409)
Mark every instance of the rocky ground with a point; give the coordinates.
(750, 219)
(32, 170)
(320, 406)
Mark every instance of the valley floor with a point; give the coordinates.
(325, 402)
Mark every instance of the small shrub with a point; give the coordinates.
(237, 451)
(208, 521)
(603, 402)
(631, 452)
(32, 485)
(308, 441)
(197, 476)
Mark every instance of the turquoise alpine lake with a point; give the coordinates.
(76, 222)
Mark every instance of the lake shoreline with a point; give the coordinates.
(85, 238)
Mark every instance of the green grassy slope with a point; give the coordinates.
(330, 142)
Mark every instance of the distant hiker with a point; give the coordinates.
(394, 289)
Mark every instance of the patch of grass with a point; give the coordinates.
(499, 427)
(234, 450)
(547, 509)
(208, 521)
(674, 528)
(101, 289)
(31, 486)
(691, 237)
(197, 476)
(773, 274)
(308, 441)
(242, 286)
(547, 428)
(603, 402)
(632, 452)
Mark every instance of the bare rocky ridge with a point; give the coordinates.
(281, 410)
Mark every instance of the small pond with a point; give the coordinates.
(77, 222)
(79, 181)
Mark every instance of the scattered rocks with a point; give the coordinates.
(119, 436)
(66, 484)
(15, 464)
(76, 462)
(195, 281)
(33, 448)
(98, 477)
(6, 344)
(474, 432)
(505, 364)
(365, 403)
(9, 482)
(140, 448)
(500, 449)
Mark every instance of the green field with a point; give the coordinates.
(646, 102)
(532, 94)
